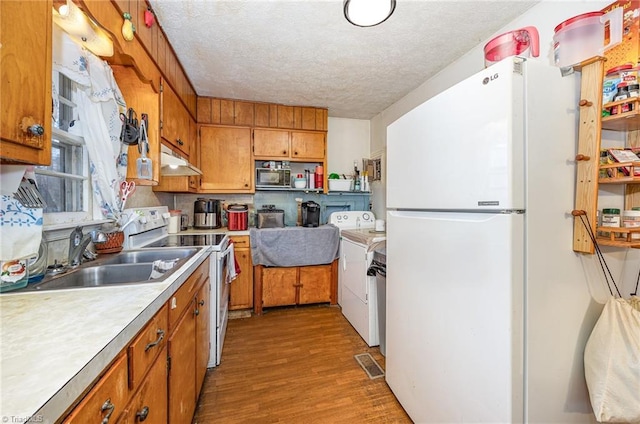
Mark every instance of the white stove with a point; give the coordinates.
(150, 230)
(357, 291)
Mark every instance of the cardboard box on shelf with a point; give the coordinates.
(628, 51)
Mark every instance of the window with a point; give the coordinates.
(65, 184)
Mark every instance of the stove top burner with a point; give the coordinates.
(188, 240)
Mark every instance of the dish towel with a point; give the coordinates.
(233, 268)
(20, 229)
(160, 267)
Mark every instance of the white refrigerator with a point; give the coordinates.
(479, 189)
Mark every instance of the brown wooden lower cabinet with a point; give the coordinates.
(182, 370)
(203, 333)
(157, 377)
(241, 290)
(107, 399)
(149, 404)
(282, 286)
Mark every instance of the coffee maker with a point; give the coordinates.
(206, 213)
(310, 214)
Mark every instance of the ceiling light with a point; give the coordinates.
(82, 30)
(366, 13)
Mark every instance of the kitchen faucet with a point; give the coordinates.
(78, 244)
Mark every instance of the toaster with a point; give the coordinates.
(270, 217)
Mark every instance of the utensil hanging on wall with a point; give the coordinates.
(144, 165)
(126, 189)
(130, 132)
(27, 192)
(29, 195)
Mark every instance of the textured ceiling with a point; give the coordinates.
(304, 52)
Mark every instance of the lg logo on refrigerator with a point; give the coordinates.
(487, 80)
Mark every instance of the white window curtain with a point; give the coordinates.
(100, 103)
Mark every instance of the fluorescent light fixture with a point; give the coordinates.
(367, 13)
(83, 30)
(173, 164)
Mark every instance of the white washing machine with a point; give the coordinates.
(357, 295)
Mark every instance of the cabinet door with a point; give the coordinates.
(307, 145)
(142, 352)
(225, 159)
(149, 404)
(175, 120)
(182, 371)
(279, 286)
(203, 334)
(270, 144)
(315, 284)
(242, 287)
(107, 399)
(194, 180)
(25, 81)
(181, 301)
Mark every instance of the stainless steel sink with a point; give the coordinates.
(129, 267)
(101, 275)
(148, 255)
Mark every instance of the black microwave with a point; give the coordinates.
(273, 178)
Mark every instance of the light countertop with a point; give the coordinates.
(365, 236)
(54, 344)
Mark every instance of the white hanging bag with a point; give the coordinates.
(612, 362)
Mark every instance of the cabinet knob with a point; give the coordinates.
(201, 303)
(36, 129)
(180, 142)
(29, 125)
(584, 102)
(577, 212)
(580, 157)
(295, 153)
(196, 312)
(142, 414)
(284, 152)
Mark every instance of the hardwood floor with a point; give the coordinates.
(295, 365)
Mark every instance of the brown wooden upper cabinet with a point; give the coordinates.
(174, 127)
(270, 144)
(158, 48)
(25, 75)
(289, 145)
(308, 145)
(226, 160)
(267, 115)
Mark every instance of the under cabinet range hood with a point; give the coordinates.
(172, 164)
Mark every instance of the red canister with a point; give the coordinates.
(319, 176)
(238, 217)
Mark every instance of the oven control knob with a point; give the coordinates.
(143, 220)
(366, 216)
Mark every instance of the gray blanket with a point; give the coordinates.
(294, 246)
